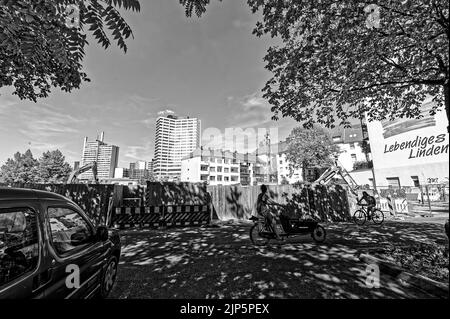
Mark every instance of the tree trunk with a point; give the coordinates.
(447, 104)
(304, 171)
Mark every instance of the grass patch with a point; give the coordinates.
(429, 260)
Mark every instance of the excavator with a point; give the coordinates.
(334, 170)
(90, 166)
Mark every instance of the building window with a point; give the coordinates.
(415, 181)
(19, 243)
(212, 178)
(69, 230)
(219, 178)
(226, 179)
(204, 177)
(219, 169)
(234, 178)
(393, 182)
(234, 170)
(226, 170)
(219, 161)
(212, 169)
(204, 168)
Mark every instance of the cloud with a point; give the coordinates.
(254, 101)
(150, 119)
(41, 127)
(139, 152)
(149, 122)
(165, 112)
(45, 121)
(6, 102)
(139, 101)
(250, 111)
(239, 24)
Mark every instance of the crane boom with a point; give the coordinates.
(334, 170)
(90, 166)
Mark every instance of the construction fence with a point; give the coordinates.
(425, 200)
(176, 204)
(180, 204)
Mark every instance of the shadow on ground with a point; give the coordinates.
(221, 263)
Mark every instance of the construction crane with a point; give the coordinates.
(90, 166)
(334, 170)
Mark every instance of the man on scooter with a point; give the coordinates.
(262, 207)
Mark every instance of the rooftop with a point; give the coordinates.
(226, 154)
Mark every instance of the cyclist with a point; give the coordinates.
(369, 201)
(263, 209)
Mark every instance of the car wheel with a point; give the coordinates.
(109, 277)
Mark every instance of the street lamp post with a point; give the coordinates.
(374, 183)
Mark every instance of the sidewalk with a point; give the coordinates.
(221, 262)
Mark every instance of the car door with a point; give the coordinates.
(78, 256)
(21, 250)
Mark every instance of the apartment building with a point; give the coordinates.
(176, 137)
(349, 141)
(218, 167)
(106, 156)
(273, 165)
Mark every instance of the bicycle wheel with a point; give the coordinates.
(377, 216)
(255, 237)
(319, 234)
(359, 217)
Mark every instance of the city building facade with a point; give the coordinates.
(275, 166)
(411, 152)
(218, 167)
(106, 156)
(350, 143)
(176, 137)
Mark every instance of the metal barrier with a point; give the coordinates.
(161, 216)
(187, 215)
(393, 206)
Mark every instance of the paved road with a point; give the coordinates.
(221, 263)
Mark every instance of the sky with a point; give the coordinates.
(210, 67)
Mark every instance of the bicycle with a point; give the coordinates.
(262, 231)
(361, 215)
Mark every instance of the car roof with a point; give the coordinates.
(9, 193)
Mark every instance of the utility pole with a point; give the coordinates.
(366, 141)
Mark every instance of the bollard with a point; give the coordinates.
(428, 198)
(390, 205)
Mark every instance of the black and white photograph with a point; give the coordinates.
(224, 158)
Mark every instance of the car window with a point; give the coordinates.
(19, 243)
(68, 229)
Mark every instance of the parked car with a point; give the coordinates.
(49, 248)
